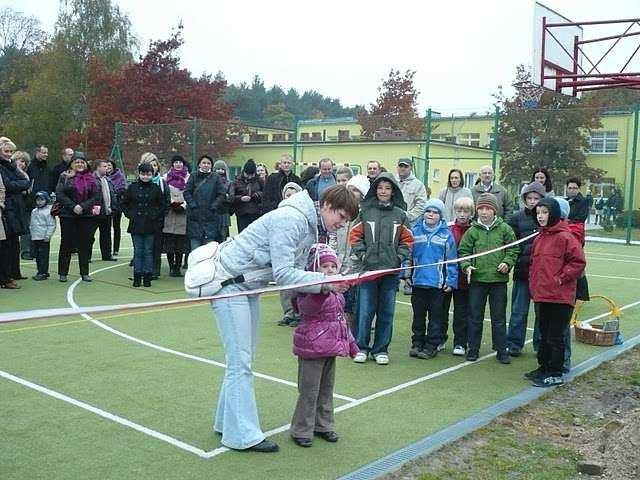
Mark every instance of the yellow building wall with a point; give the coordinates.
(329, 130)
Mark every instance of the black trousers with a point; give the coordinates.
(426, 300)
(478, 295)
(13, 256)
(116, 219)
(4, 262)
(76, 234)
(245, 220)
(103, 225)
(460, 316)
(554, 319)
(41, 250)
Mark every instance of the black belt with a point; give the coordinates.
(231, 281)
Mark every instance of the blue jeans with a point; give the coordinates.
(497, 295)
(376, 298)
(142, 253)
(237, 414)
(520, 301)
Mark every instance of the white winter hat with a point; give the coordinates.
(361, 182)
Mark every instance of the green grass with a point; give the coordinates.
(176, 396)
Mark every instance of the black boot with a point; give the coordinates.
(137, 277)
(171, 260)
(178, 264)
(146, 280)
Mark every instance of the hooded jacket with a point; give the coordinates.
(323, 331)
(414, 194)
(381, 237)
(313, 184)
(15, 184)
(433, 245)
(524, 224)
(282, 239)
(250, 187)
(480, 238)
(557, 260)
(42, 225)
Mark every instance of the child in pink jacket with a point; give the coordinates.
(321, 336)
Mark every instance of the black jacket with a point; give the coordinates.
(54, 176)
(578, 208)
(143, 204)
(273, 189)
(251, 187)
(204, 194)
(523, 224)
(65, 196)
(40, 176)
(15, 185)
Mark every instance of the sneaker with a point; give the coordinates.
(294, 322)
(550, 381)
(39, 277)
(414, 350)
(503, 357)
(427, 352)
(534, 374)
(441, 347)
(459, 351)
(472, 356)
(360, 357)
(86, 278)
(382, 359)
(63, 278)
(514, 352)
(285, 321)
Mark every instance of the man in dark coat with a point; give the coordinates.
(578, 205)
(276, 182)
(247, 195)
(63, 166)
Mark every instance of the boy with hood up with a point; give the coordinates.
(433, 242)
(557, 261)
(42, 228)
(380, 239)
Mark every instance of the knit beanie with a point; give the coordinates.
(361, 183)
(221, 165)
(249, 167)
(177, 158)
(564, 207)
(437, 204)
(42, 194)
(535, 187)
(487, 200)
(293, 185)
(78, 154)
(319, 254)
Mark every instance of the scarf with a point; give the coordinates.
(118, 180)
(176, 178)
(106, 194)
(84, 183)
(156, 179)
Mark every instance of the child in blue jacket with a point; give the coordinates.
(434, 243)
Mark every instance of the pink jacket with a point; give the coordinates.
(323, 331)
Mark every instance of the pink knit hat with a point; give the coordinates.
(319, 254)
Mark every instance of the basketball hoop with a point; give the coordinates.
(529, 94)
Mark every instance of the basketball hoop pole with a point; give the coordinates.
(634, 158)
(494, 146)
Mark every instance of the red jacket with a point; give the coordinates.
(458, 231)
(557, 261)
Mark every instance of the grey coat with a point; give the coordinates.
(281, 238)
(505, 204)
(175, 222)
(43, 225)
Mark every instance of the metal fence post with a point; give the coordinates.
(116, 151)
(427, 143)
(295, 143)
(634, 157)
(494, 146)
(194, 144)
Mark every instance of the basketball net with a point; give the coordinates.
(529, 94)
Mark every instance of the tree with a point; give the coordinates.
(156, 90)
(555, 136)
(277, 115)
(396, 106)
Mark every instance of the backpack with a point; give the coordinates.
(206, 276)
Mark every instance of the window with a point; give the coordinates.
(489, 140)
(436, 174)
(604, 142)
(316, 136)
(305, 137)
(471, 139)
(279, 137)
(343, 135)
(259, 137)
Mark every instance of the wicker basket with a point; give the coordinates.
(596, 335)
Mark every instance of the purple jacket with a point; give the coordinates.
(323, 331)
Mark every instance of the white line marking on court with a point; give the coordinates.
(611, 277)
(102, 413)
(611, 254)
(402, 386)
(606, 259)
(72, 303)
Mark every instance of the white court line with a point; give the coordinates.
(606, 259)
(402, 386)
(486, 319)
(610, 254)
(611, 277)
(104, 414)
(72, 303)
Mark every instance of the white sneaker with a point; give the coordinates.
(360, 357)
(441, 347)
(459, 351)
(382, 359)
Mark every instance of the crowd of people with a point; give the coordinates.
(306, 228)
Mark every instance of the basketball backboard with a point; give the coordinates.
(573, 57)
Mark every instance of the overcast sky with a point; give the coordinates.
(461, 49)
